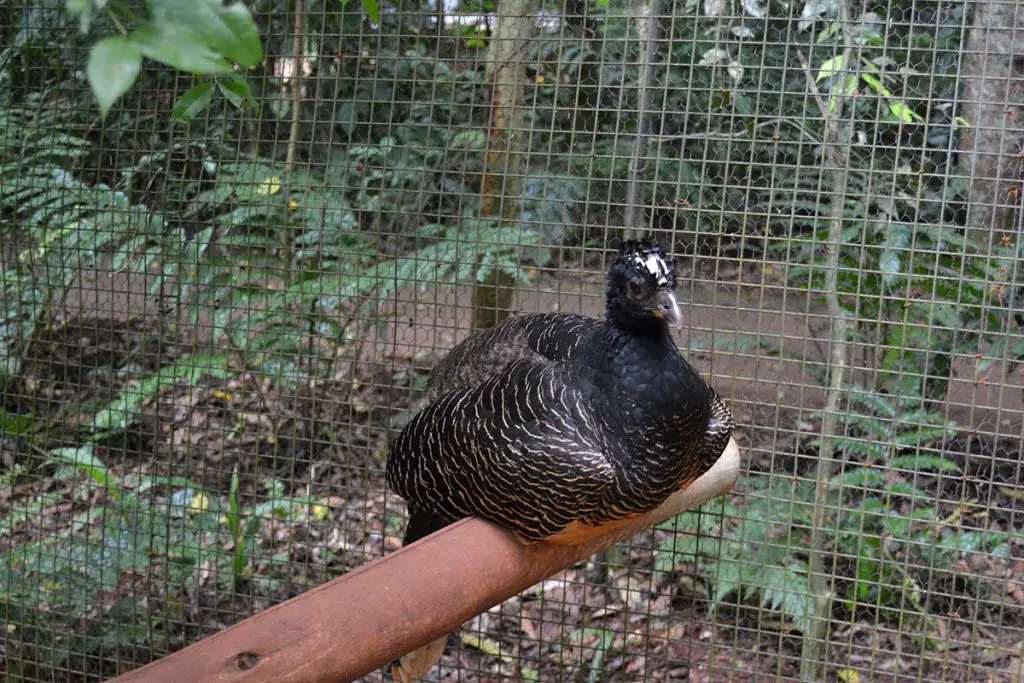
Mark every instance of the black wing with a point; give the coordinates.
(520, 449)
(540, 337)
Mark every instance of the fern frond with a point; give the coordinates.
(786, 589)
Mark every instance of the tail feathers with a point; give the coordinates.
(421, 524)
(417, 663)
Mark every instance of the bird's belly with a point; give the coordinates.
(580, 532)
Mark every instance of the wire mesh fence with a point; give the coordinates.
(222, 300)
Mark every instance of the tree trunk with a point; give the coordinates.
(646, 15)
(993, 106)
(586, 105)
(515, 26)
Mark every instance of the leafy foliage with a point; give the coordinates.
(930, 290)
(66, 224)
(121, 413)
(285, 260)
(881, 428)
(198, 36)
(270, 300)
(278, 258)
(877, 523)
(394, 132)
(918, 293)
(93, 565)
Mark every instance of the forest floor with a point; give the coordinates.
(328, 441)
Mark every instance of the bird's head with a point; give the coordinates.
(640, 289)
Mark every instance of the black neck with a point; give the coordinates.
(632, 324)
(653, 404)
(643, 364)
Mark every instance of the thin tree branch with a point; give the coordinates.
(648, 29)
(501, 185)
(813, 646)
(298, 55)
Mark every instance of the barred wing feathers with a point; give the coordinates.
(521, 449)
(539, 337)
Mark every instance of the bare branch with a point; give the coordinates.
(836, 156)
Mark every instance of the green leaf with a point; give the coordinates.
(876, 84)
(15, 425)
(684, 548)
(84, 458)
(860, 477)
(83, 10)
(194, 101)
(851, 84)
(113, 66)
(827, 32)
(347, 117)
(787, 589)
(924, 434)
(372, 9)
(971, 541)
(180, 47)
(237, 92)
(234, 507)
(902, 488)
(924, 462)
(124, 410)
(890, 266)
(902, 112)
(873, 400)
(469, 139)
(227, 29)
(830, 67)
(231, 94)
(237, 35)
(869, 447)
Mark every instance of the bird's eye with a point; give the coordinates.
(636, 290)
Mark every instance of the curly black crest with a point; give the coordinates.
(649, 258)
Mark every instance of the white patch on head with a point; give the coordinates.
(655, 265)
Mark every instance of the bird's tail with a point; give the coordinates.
(417, 663)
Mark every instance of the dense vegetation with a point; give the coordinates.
(286, 242)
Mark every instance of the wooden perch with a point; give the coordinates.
(363, 620)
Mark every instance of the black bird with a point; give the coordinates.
(560, 426)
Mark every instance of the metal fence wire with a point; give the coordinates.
(238, 237)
